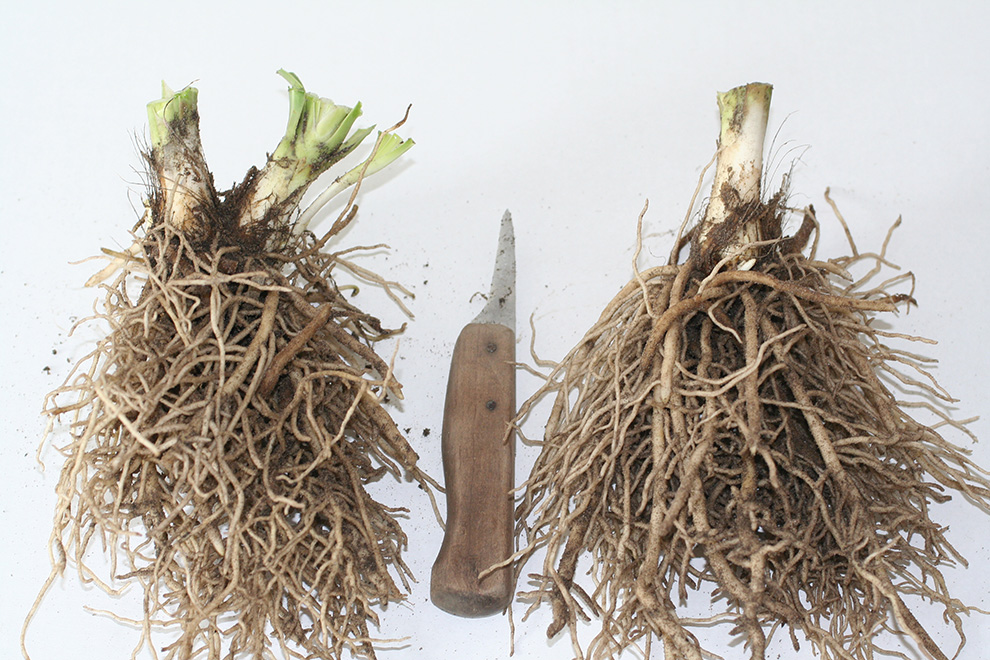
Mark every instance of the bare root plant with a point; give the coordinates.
(739, 428)
(223, 433)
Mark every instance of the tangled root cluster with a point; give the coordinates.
(739, 430)
(222, 436)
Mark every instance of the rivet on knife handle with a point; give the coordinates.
(479, 453)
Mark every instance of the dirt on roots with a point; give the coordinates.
(740, 430)
(222, 438)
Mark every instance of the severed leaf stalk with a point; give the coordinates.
(388, 148)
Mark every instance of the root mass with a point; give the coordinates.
(222, 438)
(732, 431)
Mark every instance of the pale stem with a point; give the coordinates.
(177, 157)
(744, 113)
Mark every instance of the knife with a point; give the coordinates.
(479, 452)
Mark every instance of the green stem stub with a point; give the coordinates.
(317, 136)
(175, 114)
(319, 133)
(185, 187)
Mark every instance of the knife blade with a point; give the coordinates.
(479, 452)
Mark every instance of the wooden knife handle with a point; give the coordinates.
(479, 472)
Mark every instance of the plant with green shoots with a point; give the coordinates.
(222, 435)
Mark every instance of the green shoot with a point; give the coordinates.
(317, 136)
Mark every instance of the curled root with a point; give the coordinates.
(737, 430)
(222, 437)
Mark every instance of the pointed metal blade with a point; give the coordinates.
(501, 307)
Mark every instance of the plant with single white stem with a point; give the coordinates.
(737, 423)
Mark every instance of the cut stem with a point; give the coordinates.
(177, 159)
(725, 231)
(316, 138)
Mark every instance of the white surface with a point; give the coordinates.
(569, 114)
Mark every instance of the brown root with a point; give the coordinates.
(222, 436)
(735, 430)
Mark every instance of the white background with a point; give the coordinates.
(571, 114)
